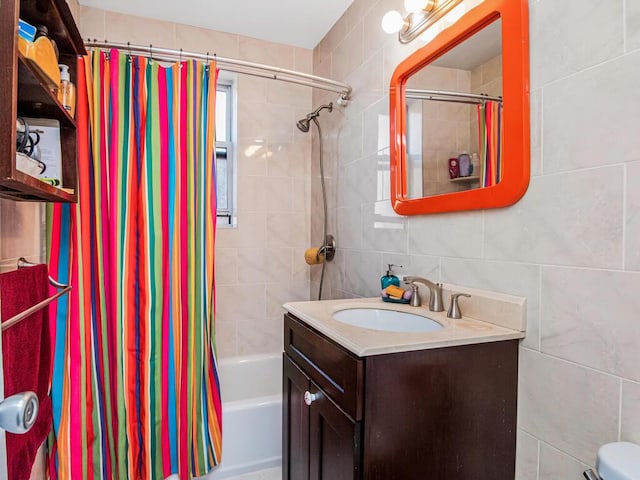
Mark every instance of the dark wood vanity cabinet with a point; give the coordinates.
(440, 414)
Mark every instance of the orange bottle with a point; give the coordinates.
(67, 91)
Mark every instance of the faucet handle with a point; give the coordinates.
(454, 308)
(415, 297)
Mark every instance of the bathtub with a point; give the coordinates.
(251, 414)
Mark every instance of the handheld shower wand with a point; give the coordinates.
(328, 243)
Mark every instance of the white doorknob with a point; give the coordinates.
(309, 397)
(19, 412)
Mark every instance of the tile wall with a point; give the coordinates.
(445, 129)
(21, 233)
(260, 264)
(571, 245)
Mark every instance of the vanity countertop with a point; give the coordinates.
(365, 342)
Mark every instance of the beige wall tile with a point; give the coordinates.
(201, 40)
(348, 54)
(590, 119)
(383, 229)
(447, 235)
(350, 227)
(566, 405)
(555, 464)
(303, 60)
(226, 264)
(630, 417)
(363, 272)
(632, 21)
(20, 231)
(632, 217)
(241, 303)
(590, 317)
(264, 336)
(268, 53)
(535, 106)
(226, 338)
(375, 136)
(562, 37)
(139, 30)
(92, 23)
(526, 457)
(567, 219)
(265, 121)
(250, 232)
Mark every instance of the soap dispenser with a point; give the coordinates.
(67, 91)
(390, 278)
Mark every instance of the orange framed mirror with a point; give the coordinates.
(459, 115)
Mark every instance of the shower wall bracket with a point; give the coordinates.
(329, 248)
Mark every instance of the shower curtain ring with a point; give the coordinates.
(150, 53)
(129, 49)
(180, 63)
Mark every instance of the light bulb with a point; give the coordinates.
(417, 6)
(392, 22)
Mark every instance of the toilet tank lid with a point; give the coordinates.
(619, 461)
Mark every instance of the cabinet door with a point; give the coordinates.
(295, 423)
(334, 445)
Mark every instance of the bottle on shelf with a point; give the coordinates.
(43, 31)
(67, 91)
(464, 164)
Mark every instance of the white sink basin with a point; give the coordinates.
(386, 320)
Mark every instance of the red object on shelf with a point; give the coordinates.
(454, 168)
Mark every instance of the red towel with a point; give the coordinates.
(26, 356)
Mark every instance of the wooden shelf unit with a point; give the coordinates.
(25, 93)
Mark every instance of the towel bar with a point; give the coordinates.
(23, 262)
(40, 305)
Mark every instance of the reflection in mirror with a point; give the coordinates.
(454, 118)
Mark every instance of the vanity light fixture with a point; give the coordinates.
(421, 15)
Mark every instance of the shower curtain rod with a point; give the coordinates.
(232, 65)
(455, 97)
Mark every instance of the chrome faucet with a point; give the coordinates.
(436, 304)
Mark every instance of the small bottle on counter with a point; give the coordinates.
(67, 91)
(390, 278)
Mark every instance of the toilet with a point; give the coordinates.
(617, 461)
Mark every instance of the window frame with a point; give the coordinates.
(226, 217)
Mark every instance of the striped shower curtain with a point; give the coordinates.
(490, 143)
(135, 390)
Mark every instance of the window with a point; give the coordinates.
(225, 153)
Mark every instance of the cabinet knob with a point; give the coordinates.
(309, 397)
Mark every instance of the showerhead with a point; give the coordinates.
(303, 124)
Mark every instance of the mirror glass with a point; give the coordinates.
(454, 118)
(459, 114)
